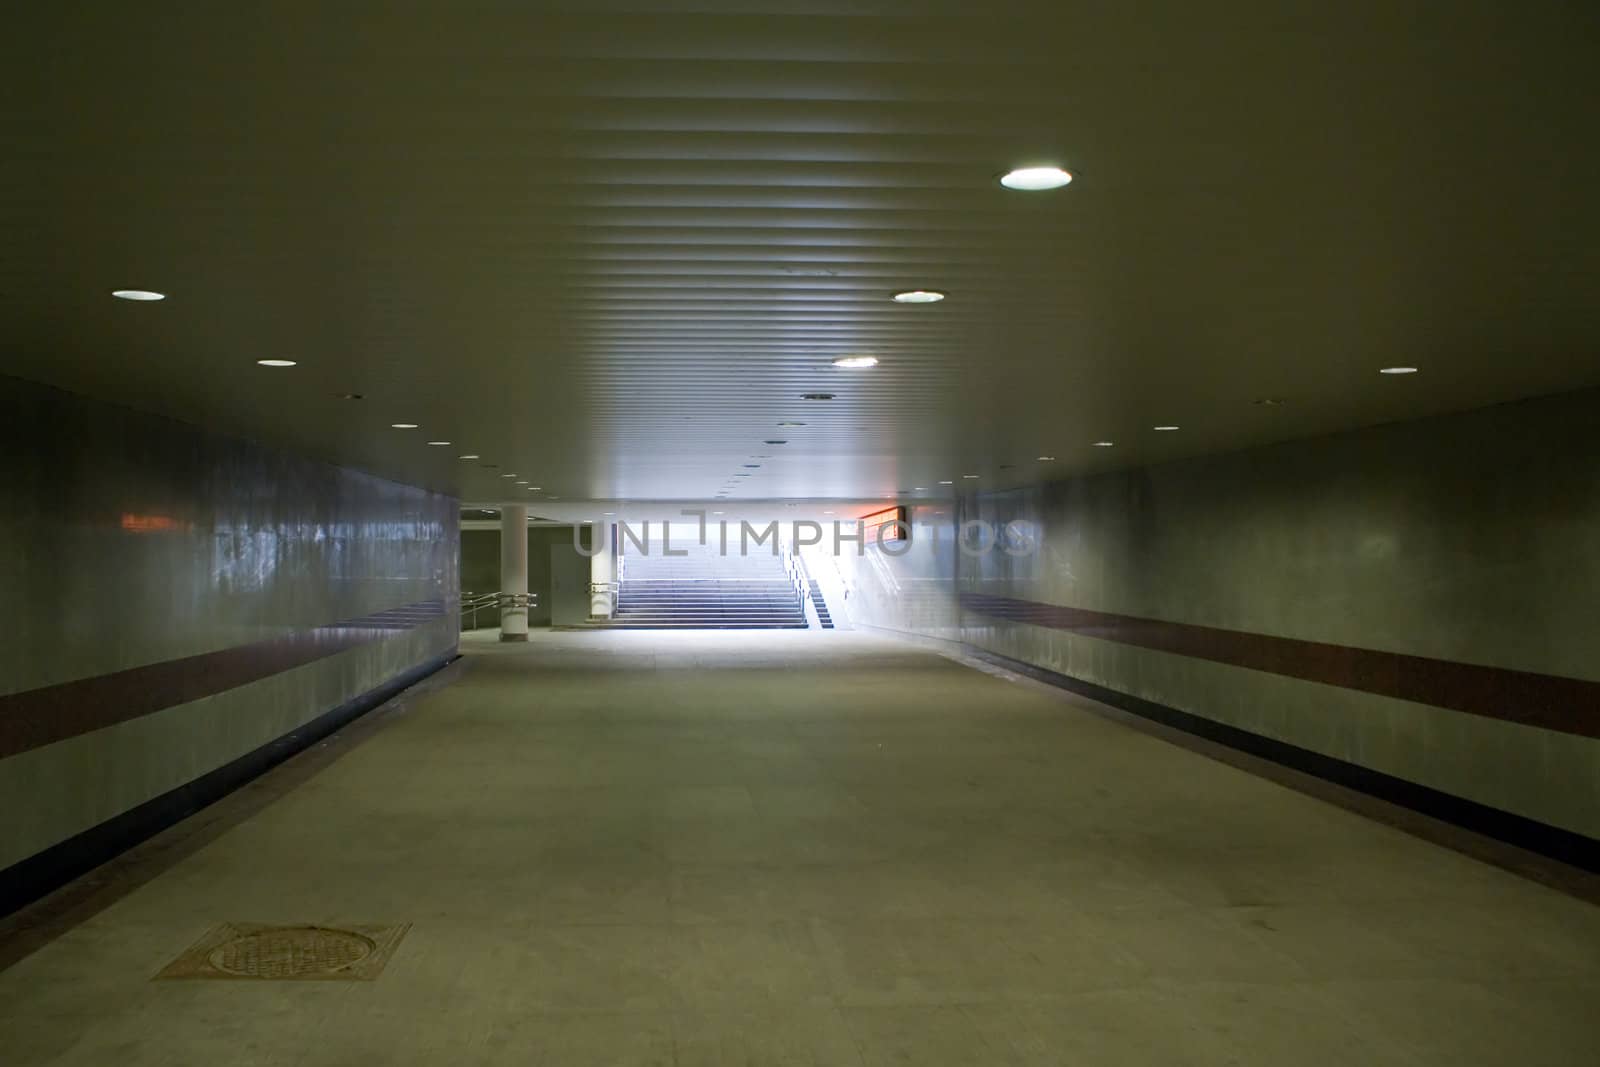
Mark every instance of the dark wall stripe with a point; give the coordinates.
(1548, 701)
(1567, 846)
(38, 717)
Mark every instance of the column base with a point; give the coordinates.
(513, 637)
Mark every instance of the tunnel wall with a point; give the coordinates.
(176, 600)
(1417, 599)
(480, 567)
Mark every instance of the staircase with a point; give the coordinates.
(823, 618)
(706, 590)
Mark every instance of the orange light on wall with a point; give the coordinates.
(887, 517)
(134, 523)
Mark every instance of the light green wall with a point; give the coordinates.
(1472, 537)
(128, 540)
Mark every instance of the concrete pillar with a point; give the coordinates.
(514, 572)
(602, 571)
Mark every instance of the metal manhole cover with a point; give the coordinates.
(291, 952)
(304, 952)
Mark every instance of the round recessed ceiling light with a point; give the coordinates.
(817, 396)
(469, 455)
(1163, 429)
(1035, 179)
(137, 294)
(919, 296)
(1397, 370)
(275, 362)
(1104, 444)
(855, 362)
(403, 425)
(438, 443)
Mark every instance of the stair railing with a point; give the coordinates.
(796, 572)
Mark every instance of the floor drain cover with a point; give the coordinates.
(289, 953)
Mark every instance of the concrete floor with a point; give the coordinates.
(798, 848)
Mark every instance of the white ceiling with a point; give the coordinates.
(607, 246)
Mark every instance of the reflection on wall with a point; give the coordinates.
(912, 591)
(137, 552)
(1462, 542)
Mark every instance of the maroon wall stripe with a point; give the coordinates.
(1552, 702)
(52, 713)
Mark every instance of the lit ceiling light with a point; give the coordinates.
(947, 483)
(969, 476)
(403, 425)
(508, 476)
(1397, 370)
(719, 513)
(919, 296)
(348, 396)
(275, 362)
(1035, 179)
(919, 489)
(1104, 444)
(608, 513)
(855, 362)
(588, 522)
(1163, 429)
(437, 444)
(536, 488)
(827, 513)
(469, 455)
(137, 294)
(1047, 459)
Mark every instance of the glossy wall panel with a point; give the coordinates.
(177, 599)
(1453, 560)
(907, 587)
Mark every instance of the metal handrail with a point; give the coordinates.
(792, 568)
(476, 602)
(612, 590)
